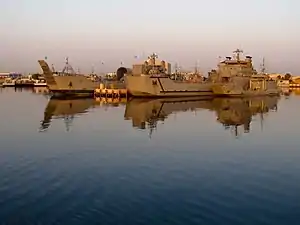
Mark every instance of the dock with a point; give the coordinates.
(111, 91)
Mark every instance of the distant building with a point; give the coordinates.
(9, 74)
(276, 76)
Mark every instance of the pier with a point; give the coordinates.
(111, 91)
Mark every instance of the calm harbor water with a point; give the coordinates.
(220, 161)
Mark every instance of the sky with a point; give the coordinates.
(101, 34)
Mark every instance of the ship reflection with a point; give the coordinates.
(145, 113)
(65, 109)
(235, 113)
(232, 113)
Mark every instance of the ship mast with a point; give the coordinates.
(237, 52)
(53, 69)
(196, 67)
(176, 68)
(68, 68)
(263, 68)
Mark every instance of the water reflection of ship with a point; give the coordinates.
(238, 112)
(232, 113)
(65, 109)
(145, 113)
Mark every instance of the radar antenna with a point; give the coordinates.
(237, 52)
(153, 56)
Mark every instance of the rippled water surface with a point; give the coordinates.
(221, 161)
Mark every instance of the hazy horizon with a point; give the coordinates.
(94, 31)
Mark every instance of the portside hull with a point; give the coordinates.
(170, 94)
(231, 91)
(147, 86)
(72, 86)
(24, 84)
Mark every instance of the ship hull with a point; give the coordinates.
(72, 86)
(72, 93)
(231, 91)
(159, 86)
(24, 84)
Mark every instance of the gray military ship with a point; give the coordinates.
(153, 79)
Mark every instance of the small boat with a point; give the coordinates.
(24, 82)
(40, 83)
(9, 82)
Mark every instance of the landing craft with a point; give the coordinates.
(153, 79)
(72, 84)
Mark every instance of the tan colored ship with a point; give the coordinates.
(237, 77)
(153, 79)
(62, 85)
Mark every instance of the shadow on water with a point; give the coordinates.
(231, 112)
